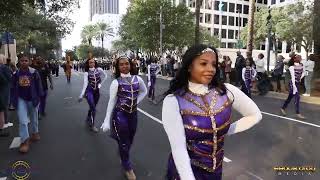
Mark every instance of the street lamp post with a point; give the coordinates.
(161, 28)
(269, 38)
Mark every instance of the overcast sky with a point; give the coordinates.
(81, 18)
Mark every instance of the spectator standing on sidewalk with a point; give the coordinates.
(27, 89)
(308, 72)
(5, 79)
(240, 64)
(163, 62)
(227, 70)
(248, 76)
(278, 72)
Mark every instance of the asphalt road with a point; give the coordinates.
(68, 151)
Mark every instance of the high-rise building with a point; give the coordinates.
(103, 7)
(226, 22)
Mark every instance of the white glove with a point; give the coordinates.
(105, 126)
(99, 86)
(295, 90)
(149, 83)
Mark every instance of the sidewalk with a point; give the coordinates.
(271, 94)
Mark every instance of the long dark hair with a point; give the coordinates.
(179, 85)
(117, 69)
(86, 65)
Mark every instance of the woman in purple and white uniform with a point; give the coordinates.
(296, 73)
(153, 70)
(248, 76)
(92, 82)
(126, 91)
(196, 116)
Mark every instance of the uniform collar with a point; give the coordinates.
(125, 75)
(198, 88)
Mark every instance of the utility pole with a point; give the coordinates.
(269, 38)
(161, 28)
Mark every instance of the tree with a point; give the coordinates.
(250, 27)
(206, 38)
(316, 38)
(88, 33)
(104, 30)
(139, 28)
(292, 23)
(83, 49)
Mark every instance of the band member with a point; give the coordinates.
(296, 72)
(67, 69)
(196, 116)
(92, 82)
(248, 76)
(126, 91)
(153, 70)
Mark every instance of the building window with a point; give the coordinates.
(273, 2)
(231, 7)
(201, 17)
(216, 32)
(238, 21)
(239, 8)
(265, 2)
(225, 6)
(230, 34)
(245, 21)
(192, 3)
(208, 4)
(236, 34)
(216, 5)
(208, 18)
(259, 1)
(231, 21)
(282, 0)
(216, 19)
(245, 9)
(223, 33)
(224, 20)
(231, 45)
(289, 46)
(223, 45)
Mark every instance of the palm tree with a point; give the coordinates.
(104, 30)
(250, 28)
(197, 29)
(88, 33)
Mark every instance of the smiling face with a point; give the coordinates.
(203, 68)
(124, 66)
(92, 63)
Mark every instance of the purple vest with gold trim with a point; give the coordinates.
(206, 120)
(94, 78)
(128, 92)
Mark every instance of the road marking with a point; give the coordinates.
(15, 143)
(251, 174)
(67, 98)
(291, 119)
(3, 178)
(225, 159)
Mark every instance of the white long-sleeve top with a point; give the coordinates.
(244, 71)
(260, 65)
(293, 77)
(85, 80)
(113, 95)
(149, 74)
(173, 124)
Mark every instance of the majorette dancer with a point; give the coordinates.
(297, 73)
(153, 70)
(196, 116)
(248, 76)
(92, 82)
(126, 91)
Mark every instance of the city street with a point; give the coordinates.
(69, 151)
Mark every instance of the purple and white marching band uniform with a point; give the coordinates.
(125, 94)
(197, 123)
(92, 83)
(248, 74)
(296, 72)
(153, 70)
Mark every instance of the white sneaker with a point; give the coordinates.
(7, 125)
